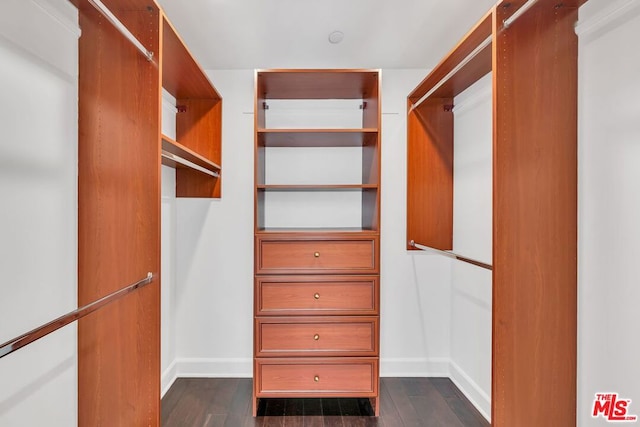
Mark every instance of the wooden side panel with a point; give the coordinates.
(430, 174)
(535, 218)
(199, 127)
(118, 222)
(371, 159)
(259, 122)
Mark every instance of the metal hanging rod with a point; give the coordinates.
(451, 73)
(451, 255)
(100, 7)
(510, 20)
(185, 162)
(41, 331)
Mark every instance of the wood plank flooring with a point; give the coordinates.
(404, 402)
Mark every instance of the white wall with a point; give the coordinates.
(609, 204)
(414, 285)
(471, 291)
(214, 254)
(38, 213)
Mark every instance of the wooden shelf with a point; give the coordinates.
(198, 121)
(319, 230)
(317, 84)
(317, 137)
(181, 74)
(477, 67)
(330, 187)
(180, 150)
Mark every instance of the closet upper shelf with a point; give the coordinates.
(185, 153)
(316, 84)
(198, 120)
(468, 73)
(317, 137)
(316, 187)
(181, 74)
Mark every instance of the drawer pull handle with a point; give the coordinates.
(316, 378)
(316, 295)
(316, 337)
(316, 254)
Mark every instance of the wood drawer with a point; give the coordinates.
(316, 295)
(315, 255)
(313, 336)
(337, 377)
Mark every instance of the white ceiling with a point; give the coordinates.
(247, 34)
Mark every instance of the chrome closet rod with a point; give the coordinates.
(510, 20)
(451, 255)
(104, 11)
(43, 330)
(178, 159)
(451, 73)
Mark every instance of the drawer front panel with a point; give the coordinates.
(338, 379)
(340, 337)
(316, 256)
(284, 296)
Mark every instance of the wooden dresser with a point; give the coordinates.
(317, 230)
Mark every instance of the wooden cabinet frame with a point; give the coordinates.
(534, 65)
(317, 258)
(119, 161)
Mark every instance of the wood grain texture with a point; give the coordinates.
(199, 128)
(315, 295)
(317, 84)
(477, 68)
(314, 254)
(316, 187)
(430, 175)
(317, 137)
(535, 218)
(336, 377)
(118, 221)
(182, 76)
(316, 336)
(186, 153)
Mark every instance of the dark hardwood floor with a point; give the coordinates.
(419, 402)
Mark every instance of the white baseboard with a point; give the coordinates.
(478, 397)
(168, 378)
(414, 367)
(214, 368)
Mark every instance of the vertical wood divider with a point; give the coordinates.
(535, 218)
(118, 219)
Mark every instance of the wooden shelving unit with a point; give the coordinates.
(534, 65)
(119, 157)
(174, 147)
(337, 187)
(198, 121)
(317, 137)
(326, 342)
